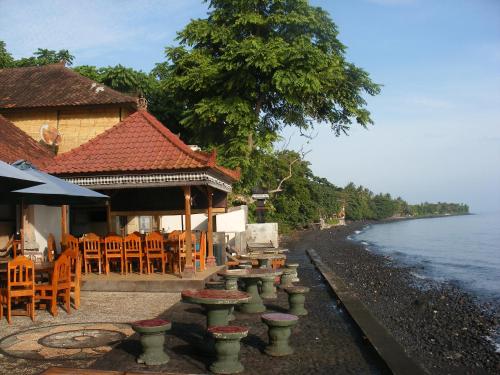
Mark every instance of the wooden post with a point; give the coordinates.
(210, 229)
(108, 217)
(23, 225)
(189, 267)
(64, 223)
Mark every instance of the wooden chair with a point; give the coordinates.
(20, 285)
(113, 251)
(201, 253)
(51, 248)
(155, 251)
(181, 250)
(60, 286)
(70, 242)
(75, 261)
(132, 250)
(91, 251)
(17, 249)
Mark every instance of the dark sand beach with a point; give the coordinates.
(441, 326)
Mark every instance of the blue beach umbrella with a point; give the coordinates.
(12, 178)
(54, 191)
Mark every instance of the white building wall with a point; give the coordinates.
(233, 221)
(46, 220)
(178, 222)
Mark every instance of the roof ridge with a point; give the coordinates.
(172, 138)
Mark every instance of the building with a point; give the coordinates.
(55, 105)
(88, 134)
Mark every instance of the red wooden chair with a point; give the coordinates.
(155, 251)
(59, 286)
(113, 251)
(91, 251)
(132, 250)
(20, 285)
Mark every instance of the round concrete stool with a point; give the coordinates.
(215, 285)
(293, 267)
(227, 349)
(280, 328)
(268, 290)
(296, 299)
(286, 278)
(152, 333)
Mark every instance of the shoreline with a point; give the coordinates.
(443, 327)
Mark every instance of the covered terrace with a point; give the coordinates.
(151, 177)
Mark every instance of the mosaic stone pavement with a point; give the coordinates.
(66, 341)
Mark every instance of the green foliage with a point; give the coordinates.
(41, 56)
(120, 78)
(440, 208)
(254, 66)
(6, 59)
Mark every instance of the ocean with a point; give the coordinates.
(464, 250)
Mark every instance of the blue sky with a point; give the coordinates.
(437, 120)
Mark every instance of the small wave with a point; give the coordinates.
(357, 232)
(419, 275)
(364, 243)
(495, 343)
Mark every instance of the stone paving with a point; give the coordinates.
(325, 341)
(77, 339)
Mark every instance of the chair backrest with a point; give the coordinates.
(51, 247)
(75, 261)
(62, 271)
(21, 275)
(71, 242)
(174, 235)
(203, 243)
(113, 245)
(91, 244)
(182, 242)
(132, 244)
(154, 243)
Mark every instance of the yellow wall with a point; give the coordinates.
(76, 125)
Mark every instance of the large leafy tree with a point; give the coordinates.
(254, 66)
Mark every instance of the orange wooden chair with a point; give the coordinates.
(20, 285)
(155, 251)
(70, 242)
(75, 261)
(201, 252)
(60, 286)
(113, 251)
(181, 250)
(51, 248)
(132, 250)
(91, 251)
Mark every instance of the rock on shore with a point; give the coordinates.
(439, 325)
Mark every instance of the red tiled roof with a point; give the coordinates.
(139, 143)
(54, 86)
(16, 144)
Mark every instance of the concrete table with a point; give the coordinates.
(217, 303)
(251, 279)
(263, 259)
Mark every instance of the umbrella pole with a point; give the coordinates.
(64, 222)
(23, 225)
